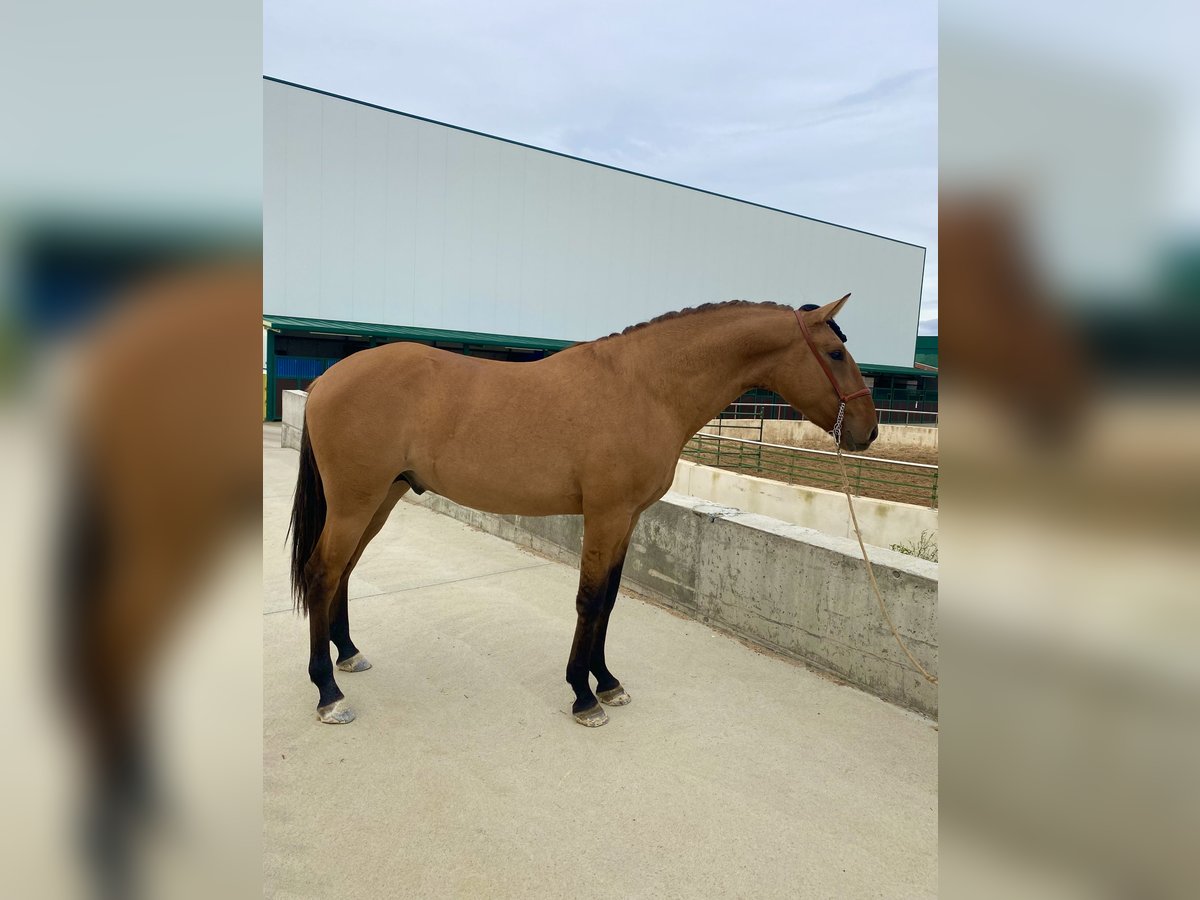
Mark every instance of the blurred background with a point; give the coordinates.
(1070, 316)
(130, 395)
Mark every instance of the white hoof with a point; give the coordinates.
(592, 718)
(616, 697)
(356, 663)
(336, 713)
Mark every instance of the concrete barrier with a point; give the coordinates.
(883, 522)
(293, 418)
(785, 587)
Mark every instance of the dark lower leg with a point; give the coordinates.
(588, 605)
(605, 680)
(110, 825)
(320, 665)
(121, 799)
(339, 624)
(605, 537)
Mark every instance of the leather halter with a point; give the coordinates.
(836, 430)
(845, 398)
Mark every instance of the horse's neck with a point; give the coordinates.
(695, 366)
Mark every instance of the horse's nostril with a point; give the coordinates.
(874, 432)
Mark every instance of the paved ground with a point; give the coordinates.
(732, 773)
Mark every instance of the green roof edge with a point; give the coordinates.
(517, 342)
(367, 329)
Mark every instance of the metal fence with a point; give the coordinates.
(927, 418)
(744, 410)
(885, 479)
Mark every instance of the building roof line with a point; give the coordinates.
(590, 162)
(344, 328)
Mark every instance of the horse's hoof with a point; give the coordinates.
(615, 697)
(336, 713)
(356, 663)
(593, 717)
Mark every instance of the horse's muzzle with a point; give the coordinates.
(854, 446)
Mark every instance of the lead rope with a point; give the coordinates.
(836, 432)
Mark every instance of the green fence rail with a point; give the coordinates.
(885, 479)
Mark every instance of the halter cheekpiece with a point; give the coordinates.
(836, 430)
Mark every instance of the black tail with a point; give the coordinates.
(308, 519)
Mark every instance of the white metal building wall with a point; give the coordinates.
(372, 216)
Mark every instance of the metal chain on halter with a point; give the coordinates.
(836, 430)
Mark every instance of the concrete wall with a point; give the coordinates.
(883, 522)
(793, 433)
(785, 587)
(790, 589)
(293, 418)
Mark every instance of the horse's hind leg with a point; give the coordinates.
(349, 658)
(323, 573)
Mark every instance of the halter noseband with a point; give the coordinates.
(836, 430)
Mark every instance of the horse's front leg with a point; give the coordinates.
(604, 539)
(608, 688)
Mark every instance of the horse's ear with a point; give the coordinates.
(829, 310)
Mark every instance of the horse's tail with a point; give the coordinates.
(308, 519)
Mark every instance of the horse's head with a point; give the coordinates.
(817, 375)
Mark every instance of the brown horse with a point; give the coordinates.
(1014, 345)
(153, 502)
(551, 437)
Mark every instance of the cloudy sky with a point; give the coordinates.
(820, 108)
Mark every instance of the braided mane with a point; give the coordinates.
(708, 307)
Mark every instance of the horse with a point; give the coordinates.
(150, 504)
(541, 438)
(1014, 346)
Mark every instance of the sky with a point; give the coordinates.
(820, 108)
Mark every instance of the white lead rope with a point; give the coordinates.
(836, 432)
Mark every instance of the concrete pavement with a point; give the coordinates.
(733, 773)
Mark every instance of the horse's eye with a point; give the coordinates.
(836, 354)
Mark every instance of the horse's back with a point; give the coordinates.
(525, 438)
